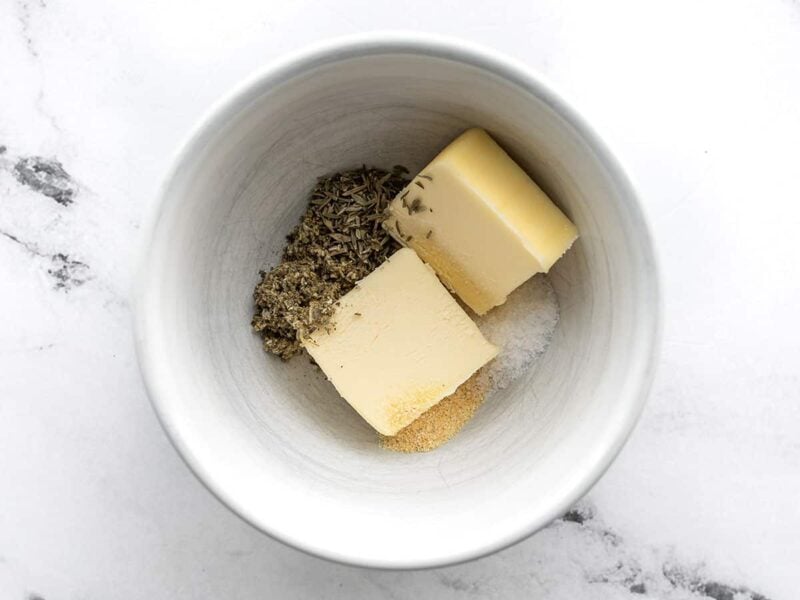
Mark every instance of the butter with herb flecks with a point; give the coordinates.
(480, 221)
(398, 343)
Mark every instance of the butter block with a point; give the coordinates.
(398, 344)
(480, 221)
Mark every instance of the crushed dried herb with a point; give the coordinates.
(339, 240)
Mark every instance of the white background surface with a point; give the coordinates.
(700, 99)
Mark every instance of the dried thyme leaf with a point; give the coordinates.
(337, 242)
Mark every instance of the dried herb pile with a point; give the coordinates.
(339, 240)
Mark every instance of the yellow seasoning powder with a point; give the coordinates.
(441, 422)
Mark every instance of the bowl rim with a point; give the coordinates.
(413, 43)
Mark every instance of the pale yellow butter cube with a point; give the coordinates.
(398, 344)
(480, 221)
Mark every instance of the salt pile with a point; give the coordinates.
(522, 328)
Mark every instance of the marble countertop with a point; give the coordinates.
(700, 99)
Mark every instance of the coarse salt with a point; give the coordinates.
(523, 328)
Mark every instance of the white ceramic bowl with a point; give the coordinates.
(274, 441)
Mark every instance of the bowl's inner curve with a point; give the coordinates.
(274, 439)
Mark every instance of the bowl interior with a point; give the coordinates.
(273, 439)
